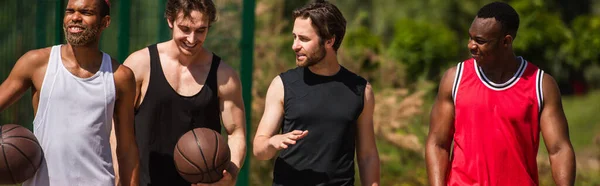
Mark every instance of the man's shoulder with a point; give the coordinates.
(291, 75)
(224, 69)
(351, 76)
(138, 62)
(37, 56)
(139, 56)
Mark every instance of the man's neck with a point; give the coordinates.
(502, 69)
(328, 66)
(86, 57)
(186, 60)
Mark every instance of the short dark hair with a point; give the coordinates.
(103, 8)
(326, 19)
(503, 13)
(207, 7)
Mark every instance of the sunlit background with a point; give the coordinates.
(401, 46)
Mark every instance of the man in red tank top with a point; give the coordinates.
(490, 110)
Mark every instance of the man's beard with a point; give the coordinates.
(87, 36)
(314, 57)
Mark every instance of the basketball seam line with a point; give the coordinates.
(1, 138)
(201, 152)
(23, 137)
(22, 154)
(32, 140)
(215, 154)
(8, 165)
(10, 129)
(186, 159)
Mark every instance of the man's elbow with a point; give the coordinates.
(260, 154)
(261, 157)
(260, 151)
(435, 143)
(561, 149)
(370, 159)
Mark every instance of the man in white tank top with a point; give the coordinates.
(77, 92)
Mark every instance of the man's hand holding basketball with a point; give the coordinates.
(282, 141)
(227, 180)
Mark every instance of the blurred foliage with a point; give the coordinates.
(401, 46)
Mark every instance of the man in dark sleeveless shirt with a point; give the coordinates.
(180, 86)
(324, 111)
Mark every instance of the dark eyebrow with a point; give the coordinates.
(202, 27)
(81, 10)
(300, 36)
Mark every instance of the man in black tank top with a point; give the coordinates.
(180, 86)
(324, 111)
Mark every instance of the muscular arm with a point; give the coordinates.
(555, 130)
(366, 150)
(232, 115)
(441, 130)
(126, 147)
(270, 122)
(20, 78)
(138, 62)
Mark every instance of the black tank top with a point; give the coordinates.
(328, 107)
(164, 116)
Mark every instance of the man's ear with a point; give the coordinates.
(170, 22)
(508, 40)
(330, 42)
(106, 21)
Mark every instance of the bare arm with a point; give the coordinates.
(441, 129)
(126, 149)
(266, 142)
(20, 78)
(366, 150)
(138, 62)
(555, 130)
(232, 115)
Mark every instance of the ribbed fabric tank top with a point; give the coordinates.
(73, 123)
(328, 107)
(164, 116)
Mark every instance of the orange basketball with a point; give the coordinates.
(201, 155)
(20, 154)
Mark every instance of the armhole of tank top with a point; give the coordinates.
(456, 83)
(109, 68)
(214, 73)
(539, 89)
(50, 66)
(153, 53)
(154, 64)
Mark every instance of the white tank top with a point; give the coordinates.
(73, 124)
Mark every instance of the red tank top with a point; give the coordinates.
(497, 129)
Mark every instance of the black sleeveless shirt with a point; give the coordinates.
(164, 116)
(328, 107)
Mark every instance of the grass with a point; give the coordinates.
(583, 115)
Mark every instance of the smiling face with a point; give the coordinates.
(189, 32)
(486, 40)
(82, 23)
(309, 48)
